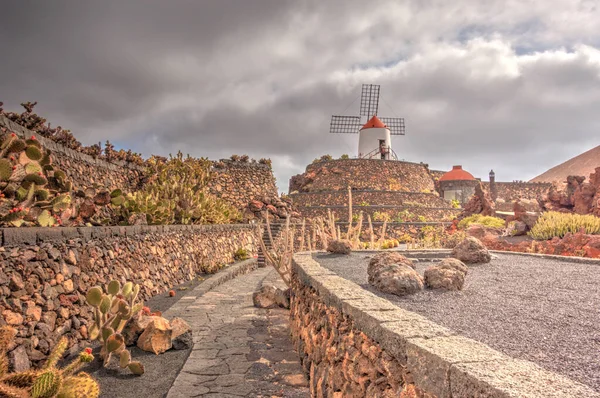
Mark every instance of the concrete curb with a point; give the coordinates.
(568, 259)
(210, 283)
(441, 362)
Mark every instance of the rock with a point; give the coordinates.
(339, 247)
(471, 251)
(517, 228)
(135, 327)
(271, 297)
(256, 205)
(156, 337)
(70, 258)
(102, 199)
(398, 279)
(449, 274)
(19, 360)
(384, 259)
(138, 219)
(181, 336)
(12, 318)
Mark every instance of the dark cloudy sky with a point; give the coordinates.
(512, 85)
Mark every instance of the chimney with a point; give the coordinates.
(493, 188)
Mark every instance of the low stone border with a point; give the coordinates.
(437, 360)
(36, 235)
(568, 259)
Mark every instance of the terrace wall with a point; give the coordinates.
(353, 343)
(374, 174)
(45, 272)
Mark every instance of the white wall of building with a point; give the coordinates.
(369, 141)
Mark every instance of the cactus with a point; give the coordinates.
(33, 168)
(112, 311)
(5, 169)
(36, 178)
(34, 152)
(41, 195)
(49, 382)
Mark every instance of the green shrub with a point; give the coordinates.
(344, 156)
(241, 254)
(381, 216)
(552, 223)
(455, 203)
(486, 221)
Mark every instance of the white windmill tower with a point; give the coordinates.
(374, 140)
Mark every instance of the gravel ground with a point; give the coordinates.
(541, 310)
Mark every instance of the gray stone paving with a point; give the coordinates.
(239, 350)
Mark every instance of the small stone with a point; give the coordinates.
(70, 258)
(19, 359)
(181, 336)
(68, 286)
(12, 318)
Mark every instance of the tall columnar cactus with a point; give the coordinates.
(50, 381)
(112, 310)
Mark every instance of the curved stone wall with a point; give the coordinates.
(374, 174)
(341, 212)
(368, 197)
(353, 343)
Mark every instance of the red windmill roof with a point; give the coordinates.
(457, 174)
(374, 122)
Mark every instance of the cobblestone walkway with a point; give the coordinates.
(239, 350)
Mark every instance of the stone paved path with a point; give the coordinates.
(239, 350)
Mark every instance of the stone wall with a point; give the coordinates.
(341, 212)
(374, 174)
(511, 191)
(380, 198)
(353, 343)
(238, 183)
(46, 272)
(83, 170)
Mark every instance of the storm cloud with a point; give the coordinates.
(512, 86)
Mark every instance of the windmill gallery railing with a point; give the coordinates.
(381, 150)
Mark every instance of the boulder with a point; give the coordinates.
(339, 247)
(135, 328)
(517, 228)
(384, 259)
(156, 337)
(471, 251)
(181, 336)
(271, 297)
(400, 280)
(449, 274)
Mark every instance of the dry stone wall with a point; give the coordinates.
(341, 212)
(238, 183)
(511, 191)
(83, 170)
(370, 197)
(353, 343)
(46, 272)
(374, 174)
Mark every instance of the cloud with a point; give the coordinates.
(512, 86)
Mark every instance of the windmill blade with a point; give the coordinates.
(369, 100)
(344, 124)
(395, 124)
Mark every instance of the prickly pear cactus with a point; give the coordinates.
(113, 308)
(32, 191)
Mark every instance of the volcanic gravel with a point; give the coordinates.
(542, 310)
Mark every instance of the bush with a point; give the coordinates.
(241, 254)
(344, 156)
(455, 203)
(486, 221)
(552, 223)
(381, 216)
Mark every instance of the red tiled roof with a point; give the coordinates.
(457, 174)
(374, 122)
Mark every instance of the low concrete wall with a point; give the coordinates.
(353, 343)
(46, 272)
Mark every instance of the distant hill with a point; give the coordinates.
(581, 165)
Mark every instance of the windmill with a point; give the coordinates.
(374, 140)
